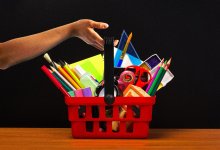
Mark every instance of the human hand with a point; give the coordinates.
(84, 29)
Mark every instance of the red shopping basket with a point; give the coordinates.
(89, 125)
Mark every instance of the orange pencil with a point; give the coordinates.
(60, 69)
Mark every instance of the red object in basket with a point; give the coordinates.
(140, 126)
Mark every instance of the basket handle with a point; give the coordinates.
(109, 70)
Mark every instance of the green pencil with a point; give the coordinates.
(157, 80)
(66, 87)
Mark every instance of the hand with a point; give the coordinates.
(84, 29)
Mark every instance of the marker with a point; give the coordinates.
(124, 50)
(63, 72)
(67, 68)
(54, 80)
(157, 80)
(155, 74)
(58, 74)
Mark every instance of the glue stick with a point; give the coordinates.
(86, 79)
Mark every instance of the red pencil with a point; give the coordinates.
(54, 80)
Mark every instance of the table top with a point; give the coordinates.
(60, 138)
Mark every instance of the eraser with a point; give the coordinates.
(78, 93)
(87, 92)
(134, 91)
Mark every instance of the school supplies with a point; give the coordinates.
(78, 93)
(70, 72)
(134, 91)
(71, 93)
(151, 63)
(48, 59)
(87, 92)
(159, 77)
(143, 76)
(54, 80)
(126, 78)
(131, 57)
(85, 78)
(155, 74)
(124, 50)
(93, 65)
(63, 78)
(115, 124)
(99, 117)
(63, 72)
(66, 87)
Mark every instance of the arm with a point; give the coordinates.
(25, 48)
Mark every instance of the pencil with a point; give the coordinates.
(168, 64)
(124, 50)
(63, 72)
(155, 74)
(54, 80)
(63, 78)
(157, 80)
(65, 86)
(69, 71)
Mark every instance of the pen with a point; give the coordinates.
(124, 50)
(54, 80)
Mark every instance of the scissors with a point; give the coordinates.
(142, 76)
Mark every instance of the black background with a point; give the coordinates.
(186, 30)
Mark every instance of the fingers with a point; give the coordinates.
(97, 40)
(99, 25)
(116, 42)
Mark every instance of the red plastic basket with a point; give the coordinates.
(130, 126)
(140, 125)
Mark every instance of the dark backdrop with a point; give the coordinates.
(186, 30)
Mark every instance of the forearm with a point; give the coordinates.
(25, 48)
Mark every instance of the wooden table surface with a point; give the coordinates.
(60, 138)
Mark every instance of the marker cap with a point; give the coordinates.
(79, 71)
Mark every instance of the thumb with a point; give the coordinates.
(99, 25)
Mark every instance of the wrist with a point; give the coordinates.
(72, 30)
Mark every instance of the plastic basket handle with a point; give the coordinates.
(109, 70)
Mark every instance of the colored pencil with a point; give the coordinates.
(157, 80)
(63, 78)
(63, 72)
(54, 80)
(74, 77)
(65, 86)
(124, 50)
(155, 74)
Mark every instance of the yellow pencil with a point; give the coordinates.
(124, 50)
(67, 68)
(63, 72)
